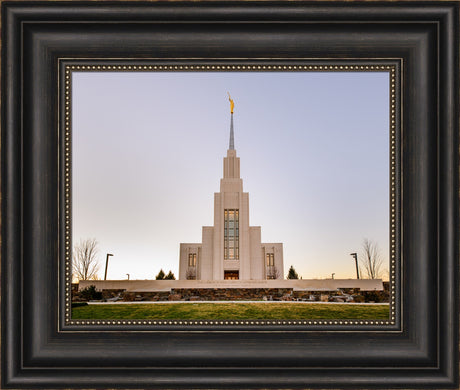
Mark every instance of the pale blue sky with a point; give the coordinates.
(147, 158)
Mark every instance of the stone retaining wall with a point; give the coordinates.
(228, 294)
(231, 294)
(146, 296)
(295, 284)
(241, 294)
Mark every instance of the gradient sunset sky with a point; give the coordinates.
(147, 155)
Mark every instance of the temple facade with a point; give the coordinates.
(231, 249)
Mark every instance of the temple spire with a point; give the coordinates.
(231, 145)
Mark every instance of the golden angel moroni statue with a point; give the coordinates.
(232, 105)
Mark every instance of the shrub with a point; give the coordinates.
(128, 296)
(90, 293)
(358, 298)
(78, 304)
(372, 296)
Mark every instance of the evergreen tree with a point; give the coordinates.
(292, 274)
(161, 275)
(90, 293)
(170, 276)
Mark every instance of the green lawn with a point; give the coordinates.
(231, 311)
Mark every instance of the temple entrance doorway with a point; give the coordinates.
(231, 275)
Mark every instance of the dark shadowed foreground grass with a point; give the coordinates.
(231, 311)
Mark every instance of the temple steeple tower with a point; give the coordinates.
(231, 145)
(231, 162)
(231, 248)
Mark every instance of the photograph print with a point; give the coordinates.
(235, 195)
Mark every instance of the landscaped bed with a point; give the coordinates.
(232, 311)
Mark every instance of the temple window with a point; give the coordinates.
(192, 260)
(231, 234)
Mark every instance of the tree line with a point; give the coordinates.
(85, 262)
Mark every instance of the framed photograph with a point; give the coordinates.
(119, 120)
(288, 117)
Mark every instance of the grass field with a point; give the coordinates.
(231, 311)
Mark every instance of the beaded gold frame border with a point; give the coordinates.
(102, 66)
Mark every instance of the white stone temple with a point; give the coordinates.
(231, 255)
(231, 249)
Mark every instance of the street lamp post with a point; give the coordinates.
(128, 276)
(106, 265)
(355, 256)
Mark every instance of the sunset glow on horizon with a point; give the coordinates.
(148, 148)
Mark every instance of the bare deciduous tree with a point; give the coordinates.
(190, 274)
(386, 274)
(371, 259)
(85, 264)
(272, 272)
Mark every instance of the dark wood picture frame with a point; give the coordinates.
(40, 351)
(390, 68)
